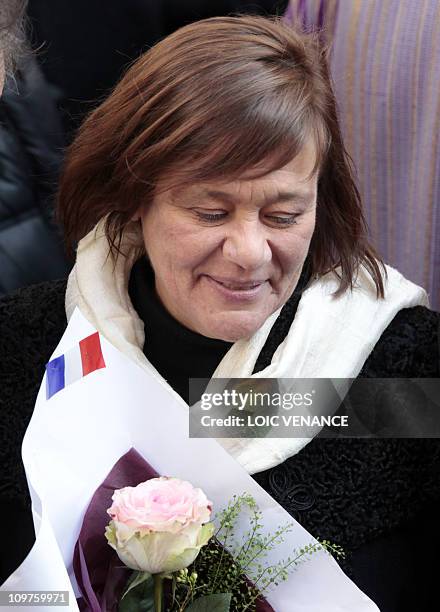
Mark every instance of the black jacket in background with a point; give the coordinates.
(31, 148)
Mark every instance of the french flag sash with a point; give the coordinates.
(84, 358)
(93, 406)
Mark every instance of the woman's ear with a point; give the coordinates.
(139, 212)
(137, 215)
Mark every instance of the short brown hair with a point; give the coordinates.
(213, 100)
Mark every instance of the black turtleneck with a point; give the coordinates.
(175, 351)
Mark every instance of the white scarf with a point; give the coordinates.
(329, 337)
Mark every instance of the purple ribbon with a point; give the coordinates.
(98, 570)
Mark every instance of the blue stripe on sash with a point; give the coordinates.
(54, 376)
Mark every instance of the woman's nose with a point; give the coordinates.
(247, 245)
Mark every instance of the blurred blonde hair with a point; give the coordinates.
(12, 37)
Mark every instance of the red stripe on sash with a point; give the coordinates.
(91, 354)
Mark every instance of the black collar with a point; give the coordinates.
(177, 352)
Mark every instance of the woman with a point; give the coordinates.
(219, 157)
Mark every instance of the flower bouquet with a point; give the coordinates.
(180, 560)
(76, 454)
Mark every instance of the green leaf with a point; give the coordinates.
(219, 602)
(135, 579)
(139, 594)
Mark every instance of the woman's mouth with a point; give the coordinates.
(236, 290)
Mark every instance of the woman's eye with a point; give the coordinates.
(213, 216)
(210, 216)
(282, 219)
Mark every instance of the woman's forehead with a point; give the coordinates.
(300, 168)
(299, 175)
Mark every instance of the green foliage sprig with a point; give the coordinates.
(217, 570)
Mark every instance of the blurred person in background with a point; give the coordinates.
(11, 14)
(31, 150)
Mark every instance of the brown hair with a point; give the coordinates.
(213, 100)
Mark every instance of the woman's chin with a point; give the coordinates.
(233, 326)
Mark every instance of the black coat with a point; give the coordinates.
(379, 499)
(31, 150)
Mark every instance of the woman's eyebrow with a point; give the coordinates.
(298, 197)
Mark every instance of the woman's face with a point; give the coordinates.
(226, 255)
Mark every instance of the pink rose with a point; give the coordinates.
(160, 504)
(160, 525)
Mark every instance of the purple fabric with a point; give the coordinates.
(321, 14)
(302, 12)
(83, 579)
(262, 605)
(96, 565)
(385, 65)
